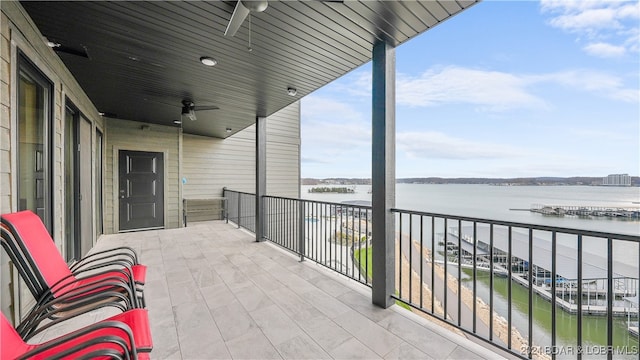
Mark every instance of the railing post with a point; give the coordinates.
(383, 174)
(225, 204)
(301, 233)
(239, 207)
(261, 174)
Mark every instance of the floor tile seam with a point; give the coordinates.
(410, 344)
(300, 328)
(337, 325)
(173, 315)
(211, 311)
(448, 335)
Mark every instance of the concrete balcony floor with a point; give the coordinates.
(214, 293)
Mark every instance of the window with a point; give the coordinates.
(34, 141)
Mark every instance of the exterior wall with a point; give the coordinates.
(131, 135)
(283, 152)
(19, 33)
(209, 165)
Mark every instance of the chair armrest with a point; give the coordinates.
(118, 253)
(61, 309)
(125, 270)
(119, 341)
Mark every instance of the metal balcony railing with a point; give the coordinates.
(241, 208)
(495, 280)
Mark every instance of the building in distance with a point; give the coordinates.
(617, 180)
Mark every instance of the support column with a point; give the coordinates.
(261, 174)
(383, 174)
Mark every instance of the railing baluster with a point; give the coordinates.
(421, 260)
(400, 258)
(446, 258)
(610, 296)
(410, 259)
(366, 268)
(579, 297)
(509, 279)
(554, 259)
(459, 273)
(301, 224)
(530, 308)
(475, 276)
(433, 263)
(491, 282)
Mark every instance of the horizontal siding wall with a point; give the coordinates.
(19, 33)
(283, 152)
(136, 136)
(209, 165)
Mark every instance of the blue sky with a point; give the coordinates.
(504, 89)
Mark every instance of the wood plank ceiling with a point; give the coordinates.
(144, 55)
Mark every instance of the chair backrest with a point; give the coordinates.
(11, 344)
(32, 236)
(22, 261)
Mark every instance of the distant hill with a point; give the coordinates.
(532, 181)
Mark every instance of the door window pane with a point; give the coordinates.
(34, 109)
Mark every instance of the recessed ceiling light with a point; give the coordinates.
(209, 61)
(177, 122)
(292, 91)
(228, 130)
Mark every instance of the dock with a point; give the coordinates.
(594, 272)
(586, 211)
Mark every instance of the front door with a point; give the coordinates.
(141, 193)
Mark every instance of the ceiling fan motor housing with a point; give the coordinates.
(255, 6)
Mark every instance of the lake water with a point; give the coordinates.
(495, 203)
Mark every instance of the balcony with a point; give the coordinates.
(213, 292)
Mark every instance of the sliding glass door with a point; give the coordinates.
(34, 141)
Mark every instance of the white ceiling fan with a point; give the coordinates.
(245, 7)
(240, 13)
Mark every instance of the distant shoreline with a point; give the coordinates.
(532, 181)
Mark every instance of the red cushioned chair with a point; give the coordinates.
(48, 277)
(107, 339)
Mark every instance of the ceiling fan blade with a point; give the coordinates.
(237, 18)
(205, 108)
(72, 51)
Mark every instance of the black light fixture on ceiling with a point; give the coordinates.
(291, 91)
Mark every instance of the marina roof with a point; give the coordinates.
(594, 266)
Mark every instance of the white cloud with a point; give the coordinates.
(499, 91)
(332, 130)
(605, 50)
(599, 22)
(437, 145)
(595, 82)
(491, 89)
